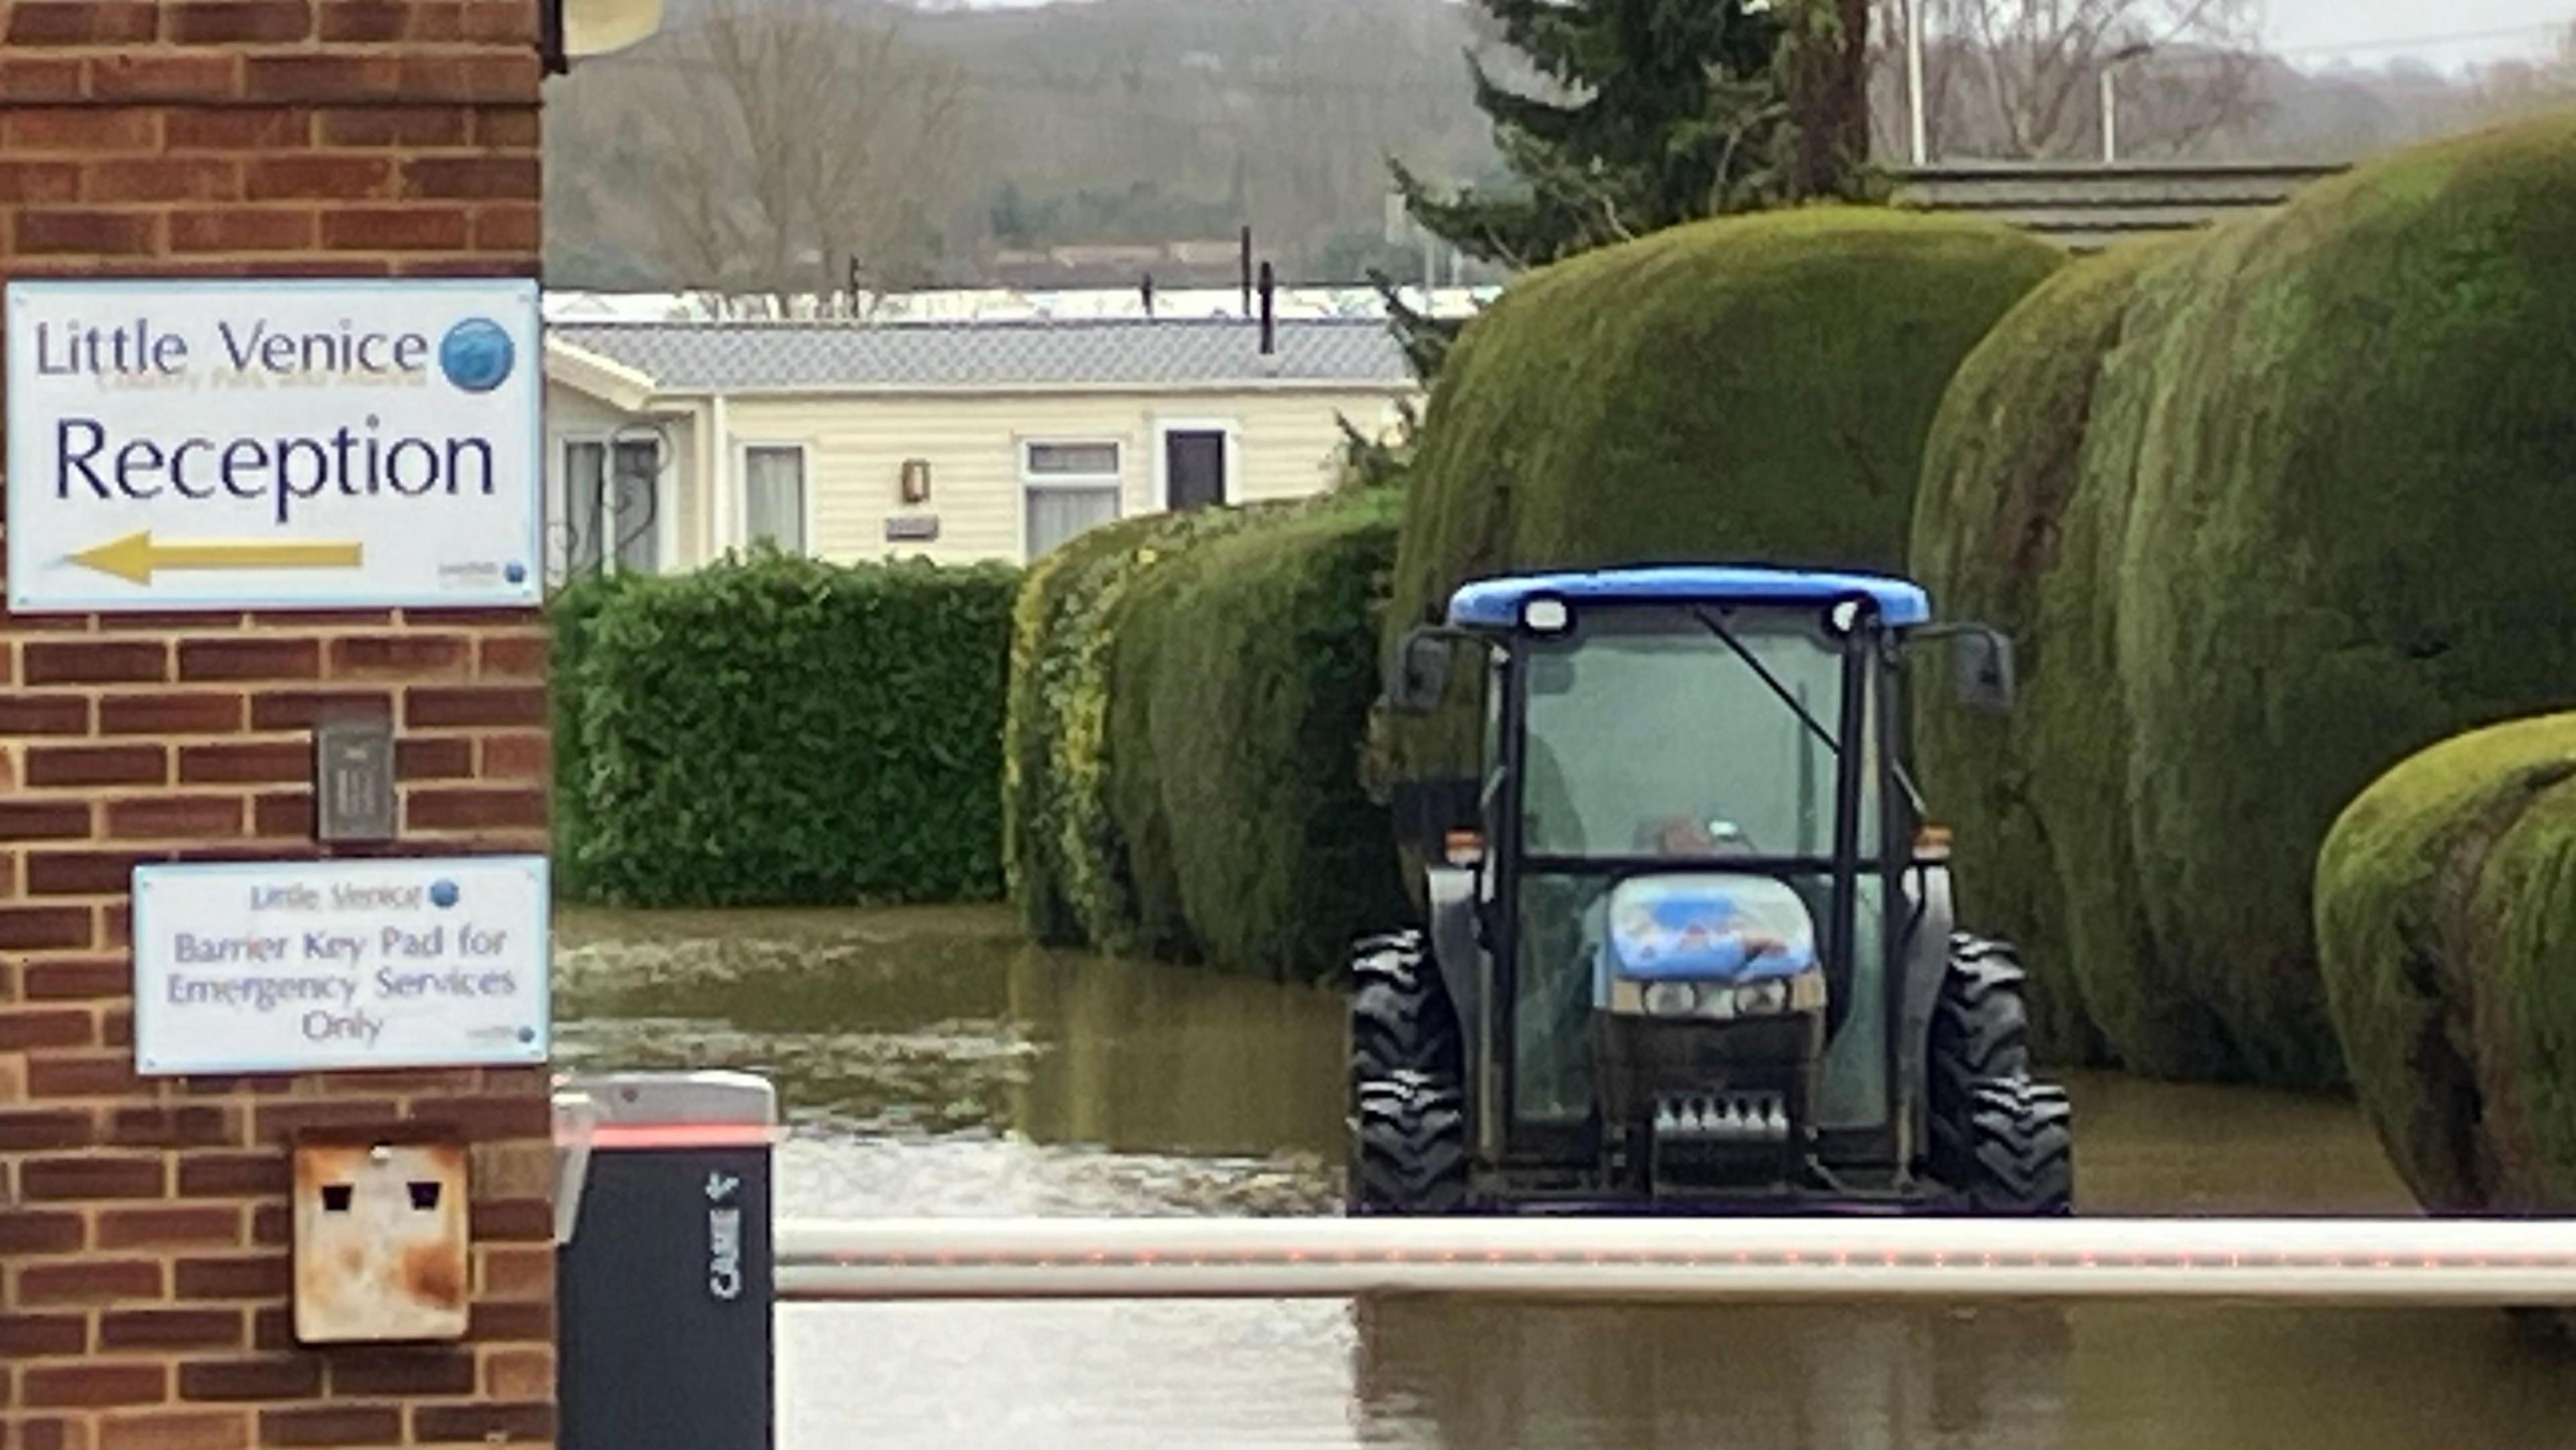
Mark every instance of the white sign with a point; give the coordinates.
(311, 966)
(277, 444)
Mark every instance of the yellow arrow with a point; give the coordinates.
(135, 556)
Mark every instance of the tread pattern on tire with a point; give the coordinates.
(2024, 1158)
(1412, 1155)
(1408, 1118)
(1980, 1033)
(1401, 1018)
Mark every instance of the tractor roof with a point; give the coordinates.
(1496, 603)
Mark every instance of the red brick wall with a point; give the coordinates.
(143, 1273)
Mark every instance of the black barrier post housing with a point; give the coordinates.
(665, 1278)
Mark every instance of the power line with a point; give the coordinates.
(2453, 37)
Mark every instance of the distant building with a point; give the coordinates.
(1001, 304)
(670, 442)
(2085, 207)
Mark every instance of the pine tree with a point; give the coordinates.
(1672, 110)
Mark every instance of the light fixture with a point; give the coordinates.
(1671, 999)
(916, 480)
(1544, 615)
(1761, 998)
(569, 30)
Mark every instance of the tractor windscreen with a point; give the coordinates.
(1651, 733)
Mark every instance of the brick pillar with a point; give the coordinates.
(143, 1273)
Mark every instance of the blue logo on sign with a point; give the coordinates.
(515, 572)
(442, 893)
(476, 355)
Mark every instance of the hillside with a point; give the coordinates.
(1088, 143)
(1105, 122)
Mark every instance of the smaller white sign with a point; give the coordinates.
(315, 966)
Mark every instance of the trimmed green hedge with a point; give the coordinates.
(2358, 442)
(569, 612)
(2308, 535)
(2446, 926)
(1243, 681)
(1064, 862)
(783, 731)
(1999, 537)
(1189, 692)
(1747, 388)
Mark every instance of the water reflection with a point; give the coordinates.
(1169, 1059)
(933, 1064)
(1997, 1377)
(896, 1023)
(1650, 1377)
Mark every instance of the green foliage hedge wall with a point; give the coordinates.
(568, 621)
(1189, 697)
(784, 731)
(1247, 681)
(1066, 863)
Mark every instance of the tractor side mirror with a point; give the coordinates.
(1419, 676)
(1981, 662)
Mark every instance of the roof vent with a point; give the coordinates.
(1269, 314)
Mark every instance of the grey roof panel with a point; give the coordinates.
(739, 356)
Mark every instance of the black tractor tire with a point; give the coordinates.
(2022, 1163)
(1401, 1016)
(1980, 1033)
(1411, 1150)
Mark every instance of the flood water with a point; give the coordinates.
(930, 1063)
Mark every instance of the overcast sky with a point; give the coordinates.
(2369, 32)
(2317, 29)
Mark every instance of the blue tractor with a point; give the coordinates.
(1690, 944)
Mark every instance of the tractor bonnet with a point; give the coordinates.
(1708, 927)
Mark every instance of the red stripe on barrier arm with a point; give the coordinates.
(631, 1137)
(1842, 1259)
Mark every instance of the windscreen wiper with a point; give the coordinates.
(1768, 678)
(1904, 781)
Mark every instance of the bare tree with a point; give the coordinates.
(797, 139)
(2022, 78)
(2512, 88)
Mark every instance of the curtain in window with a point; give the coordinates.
(774, 497)
(635, 513)
(585, 506)
(1057, 514)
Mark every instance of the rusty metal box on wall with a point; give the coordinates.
(382, 1246)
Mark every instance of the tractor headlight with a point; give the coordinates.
(1756, 999)
(1545, 615)
(1672, 999)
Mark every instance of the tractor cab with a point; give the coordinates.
(1690, 939)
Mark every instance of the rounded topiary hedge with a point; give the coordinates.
(1241, 685)
(2307, 534)
(2446, 925)
(2354, 427)
(2001, 536)
(1750, 388)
